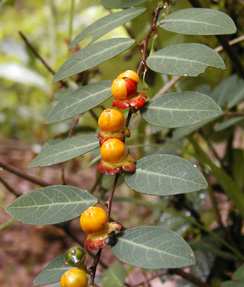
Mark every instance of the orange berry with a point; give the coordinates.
(74, 278)
(130, 75)
(111, 120)
(93, 220)
(125, 85)
(113, 150)
(118, 89)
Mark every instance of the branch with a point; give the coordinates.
(4, 183)
(24, 175)
(189, 277)
(34, 51)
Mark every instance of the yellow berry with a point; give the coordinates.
(111, 120)
(93, 220)
(130, 75)
(74, 278)
(113, 150)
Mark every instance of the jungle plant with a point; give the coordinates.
(150, 171)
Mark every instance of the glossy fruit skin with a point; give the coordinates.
(130, 74)
(74, 278)
(110, 120)
(93, 220)
(75, 256)
(113, 151)
(125, 85)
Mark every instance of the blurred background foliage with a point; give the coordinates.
(26, 88)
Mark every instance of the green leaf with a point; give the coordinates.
(51, 205)
(164, 174)
(117, 4)
(65, 150)
(114, 276)
(239, 273)
(232, 284)
(224, 91)
(107, 24)
(153, 247)
(199, 21)
(228, 123)
(80, 101)
(179, 109)
(52, 272)
(188, 59)
(91, 56)
(237, 94)
(184, 131)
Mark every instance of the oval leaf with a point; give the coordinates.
(65, 150)
(153, 247)
(80, 101)
(91, 56)
(114, 276)
(117, 4)
(107, 24)
(179, 109)
(164, 174)
(232, 284)
(229, 123)
(51, 205)
(52, 272)
(188, 59)
(199, 21)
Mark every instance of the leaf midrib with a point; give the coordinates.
(150, 248)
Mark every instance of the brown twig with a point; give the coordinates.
(189, 277)
(150, 279)
(93, 268)
(34, 51)
(111, 194)
(4, 183)
(24, 175)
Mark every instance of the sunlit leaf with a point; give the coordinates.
(164, 174)
(91, 56)
(153, 247)
(65, 150)
(188, 59)
(107, 23)
(179, 109)
(52, 272)
(116, 4)
(199, 21)
(80, 101)
(51, 205)
(114, 276)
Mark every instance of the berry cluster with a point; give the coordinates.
(114, 157)
(111, 123)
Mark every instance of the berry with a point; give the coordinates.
(125, 85)
(74, 278)
(111, 120)
(93, 220)
(131, 75)
(75, 256)
(113, 151)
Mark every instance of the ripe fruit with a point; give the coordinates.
(93, 220)
(125, 85)
(131, 75)
(74, 278)
(113, 151)
(111, 120)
